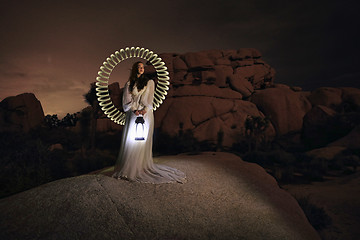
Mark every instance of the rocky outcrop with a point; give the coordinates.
(206, 117)
(345, 99)
(208, 93)
(350, 99)
(224, 198)
(351, 140)
(283, 106)
(333, 121)
(207, 87)
(20, 113)
(317, 125)
(242, 70)
(327, 153)
(115, 94)
(323, 125)
(213, 92)
(326, 96)
(103, 123)
(205, 102)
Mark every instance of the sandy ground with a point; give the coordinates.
(340, 198)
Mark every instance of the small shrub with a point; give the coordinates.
(68, 139)
(255, 127)
(109, 142)
(184, 141)
(281, 157)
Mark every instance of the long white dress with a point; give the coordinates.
(135, 162)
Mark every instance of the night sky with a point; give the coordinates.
(55, 48)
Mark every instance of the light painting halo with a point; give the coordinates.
(102, 80)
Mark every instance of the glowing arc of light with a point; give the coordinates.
(102, 80)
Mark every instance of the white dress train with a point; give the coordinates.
(135, 161)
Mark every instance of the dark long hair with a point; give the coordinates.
(141, 81)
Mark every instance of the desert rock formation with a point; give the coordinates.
(209, 93)
(284, 107)
(224, 198)
(213, 92)
(20, 113)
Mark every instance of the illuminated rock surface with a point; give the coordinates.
(224, 198)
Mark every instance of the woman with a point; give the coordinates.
(135, 162)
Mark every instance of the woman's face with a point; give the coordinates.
(140, 68)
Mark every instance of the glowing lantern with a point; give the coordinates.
(139, 128)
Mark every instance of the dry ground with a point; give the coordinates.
(340, 197)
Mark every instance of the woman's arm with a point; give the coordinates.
(126, 98)
(148, 97)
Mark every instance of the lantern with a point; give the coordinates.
(139, 128)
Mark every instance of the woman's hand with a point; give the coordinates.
(140, 112)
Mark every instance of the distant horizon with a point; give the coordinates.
(117, 73)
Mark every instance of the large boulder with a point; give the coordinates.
(168, 59)
(206, 116)
(213, 55)
(351, 99)
(351, 140)
(197, 60)
(242, 85)
(326, 96)
(345, 99)
(206, 90)
(223, 74)
(178, 64)
(20, 113)
(220, 67)
(322, 125)
(327, 153)
(317, 126)
(258, 75)
(284, 107)
(243, 53)
(224, 198)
